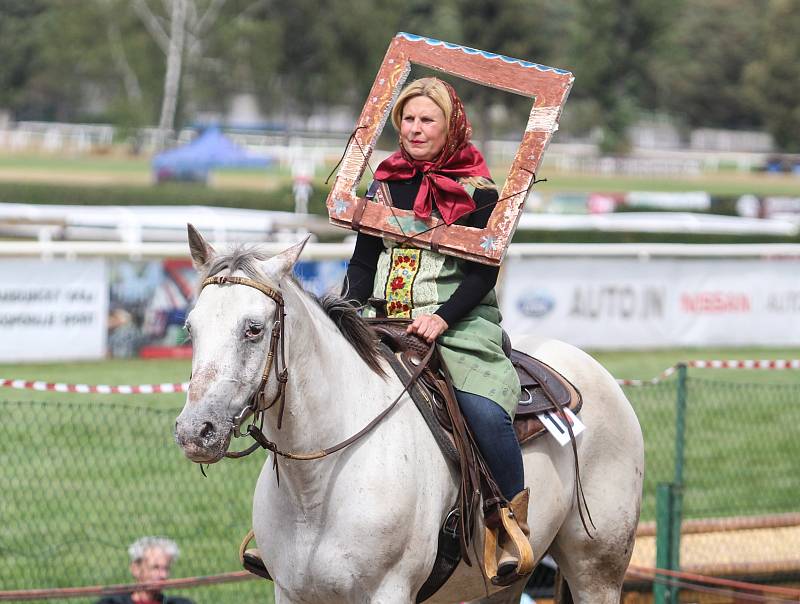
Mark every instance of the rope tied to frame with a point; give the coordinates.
(412, 237)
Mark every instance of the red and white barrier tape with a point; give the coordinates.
(773, 364)
(652, 381)
(94, 389)
(747, 364)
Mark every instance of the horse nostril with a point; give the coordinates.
(208, 428)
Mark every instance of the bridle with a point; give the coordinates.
(257, 402)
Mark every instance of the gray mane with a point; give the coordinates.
(241, 258)
(343, 314)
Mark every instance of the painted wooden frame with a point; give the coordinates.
(548, 87)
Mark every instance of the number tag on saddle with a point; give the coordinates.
(555, 425)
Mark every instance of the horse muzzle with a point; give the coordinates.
(203, 439)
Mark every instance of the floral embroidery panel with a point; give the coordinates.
(399, 284)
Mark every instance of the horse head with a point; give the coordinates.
(236, 330)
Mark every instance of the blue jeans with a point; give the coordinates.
(494, 433)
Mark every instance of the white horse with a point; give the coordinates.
(361, 525)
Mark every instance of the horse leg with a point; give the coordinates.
(611, 456)
(594, 568)
(590, 582)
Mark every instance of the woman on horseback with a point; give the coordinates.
(436, 170)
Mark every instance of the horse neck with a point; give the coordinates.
(331, 392)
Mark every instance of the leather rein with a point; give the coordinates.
(257, 403)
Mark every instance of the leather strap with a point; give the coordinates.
(245, 542)
(475, 475)
(358, 213)
(436, 237)
(424, 399)
(448, 555)
(263, 288)
(258, 435)
(257, 403)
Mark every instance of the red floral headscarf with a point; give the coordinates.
(459, 158)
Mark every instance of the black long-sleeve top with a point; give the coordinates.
(479, 279)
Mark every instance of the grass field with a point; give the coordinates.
(83, 475)
(119, 169)
(716, 183)
(122, 170)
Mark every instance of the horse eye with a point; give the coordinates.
(253, 331)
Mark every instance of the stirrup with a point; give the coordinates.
(251, 558)
(508, 530)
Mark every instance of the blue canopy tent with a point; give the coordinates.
(192, 162)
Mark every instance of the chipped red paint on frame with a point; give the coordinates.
(548, 86)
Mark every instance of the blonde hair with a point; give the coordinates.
(435, 90)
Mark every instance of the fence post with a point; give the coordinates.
(676, 499)
(680, 424)
(664, 541)
(669, 504)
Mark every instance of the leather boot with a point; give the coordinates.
(251, 561)
(509, 557)
(251, 558)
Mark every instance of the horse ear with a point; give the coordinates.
(281, 265)
(199, 248)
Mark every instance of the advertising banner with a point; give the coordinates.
(618, 303)
(53, 310)
(150, 300)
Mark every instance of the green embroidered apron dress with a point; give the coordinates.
(417, 282)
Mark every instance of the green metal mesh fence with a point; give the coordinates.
(741, 451)
(80, 482)
(742, 448)
(737, 462)
(655, 408)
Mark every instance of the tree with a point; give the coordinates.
(18, 48)
(611, 46)
(523, 29)
(772, 81)
(246, 47)
(188, 25)
(699, 69)
(329, 51)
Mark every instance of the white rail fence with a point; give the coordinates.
(322, 147)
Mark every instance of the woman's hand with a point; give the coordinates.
(428, 327)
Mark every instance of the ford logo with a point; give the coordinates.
(536, 304)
